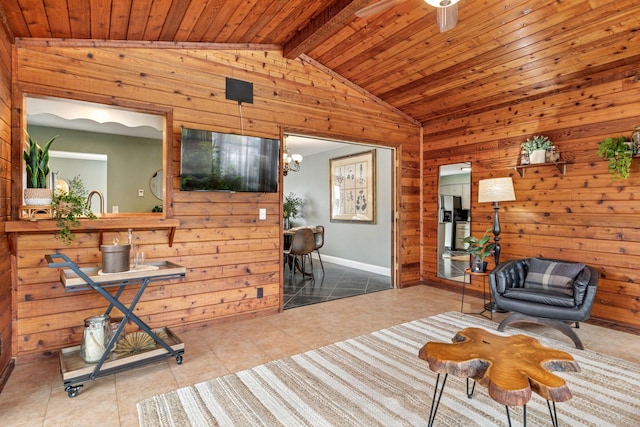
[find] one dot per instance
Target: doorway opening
(357, 257)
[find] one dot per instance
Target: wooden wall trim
(7, 67)
(99, 43)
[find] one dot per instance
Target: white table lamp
(496, 190)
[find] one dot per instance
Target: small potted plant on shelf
(36, 160)
(291, 208)
(69, 206)
(479, 249)
(537, 148)
(619, 151)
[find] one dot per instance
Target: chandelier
(291, 161)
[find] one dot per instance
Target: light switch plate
(140, 192)
(262, 214)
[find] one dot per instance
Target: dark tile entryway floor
(336, 282)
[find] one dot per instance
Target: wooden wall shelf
(561, 166)
(93, 225)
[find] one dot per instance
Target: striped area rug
(378, 380)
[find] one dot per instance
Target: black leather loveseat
(544, 291)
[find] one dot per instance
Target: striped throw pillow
(552, 276)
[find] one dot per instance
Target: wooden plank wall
(5, 202)
(583, 216)
(227, 251)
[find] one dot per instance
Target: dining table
(291, 231)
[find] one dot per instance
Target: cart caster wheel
(179, 360)
(72, 391)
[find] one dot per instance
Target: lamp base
(496, 234)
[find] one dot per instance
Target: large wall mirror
(117, 152)
(454, 219)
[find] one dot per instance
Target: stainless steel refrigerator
(446, 218)
(450, 212)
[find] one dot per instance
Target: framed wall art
(353, 188)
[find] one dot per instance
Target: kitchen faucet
(100, 196)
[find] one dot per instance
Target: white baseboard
(383, 271)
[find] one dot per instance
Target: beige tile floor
(34, 395)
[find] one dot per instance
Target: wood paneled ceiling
(500, 53)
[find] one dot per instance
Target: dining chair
(302, 244)
(318, 238)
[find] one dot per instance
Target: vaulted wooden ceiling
(500, 53)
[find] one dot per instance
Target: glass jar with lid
(97, 334)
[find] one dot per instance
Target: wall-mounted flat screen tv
(213, 161)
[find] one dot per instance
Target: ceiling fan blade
(378, 7)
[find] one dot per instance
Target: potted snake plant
(36, 160)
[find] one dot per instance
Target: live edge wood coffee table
(510, 367)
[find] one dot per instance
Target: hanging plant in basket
(619, 151)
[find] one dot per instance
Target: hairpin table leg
(435, 403)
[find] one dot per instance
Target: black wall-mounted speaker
(238, 90)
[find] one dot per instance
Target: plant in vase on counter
(291, 208)
(69, 206)
(480, 249)
(36, 159)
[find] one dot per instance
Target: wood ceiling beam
(322, 26)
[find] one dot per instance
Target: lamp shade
(496, 190)
(441, 3)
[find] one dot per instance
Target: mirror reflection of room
(454, 220)
(115, 152)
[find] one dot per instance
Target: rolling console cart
(73, 369)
